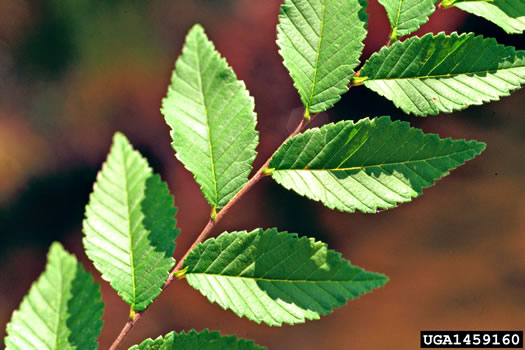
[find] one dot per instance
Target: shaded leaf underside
(368, 165)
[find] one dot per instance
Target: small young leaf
(444, 73)
(406, 16)
(62, 310)
(507, 14)
(192, 340)
(275, 277)
(368, 165)
(130, 226)
(211, 116)
(321, 41)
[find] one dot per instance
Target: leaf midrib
(448, 75)
(318, 53)
(128, 204)
(210, 148)
(59, 306)
(281, 280)
(380, 164)
(398, 17)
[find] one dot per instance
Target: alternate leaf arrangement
(270, 276)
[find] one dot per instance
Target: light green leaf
(508, 14)
(320, 42)
(130, 226)
(62, 310)
(444, 73)
(275, 277)
(406, 16)
(211, 116)
(192, 340)
(368, 165)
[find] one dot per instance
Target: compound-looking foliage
(269, 276)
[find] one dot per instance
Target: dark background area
(72, 72)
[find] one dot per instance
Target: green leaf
(320, 42)
(444, 73)
(368, 165)
(62, 310)
(192, 340)
(406, 16)
(508, 14)
(275, 277)
(130, 226)
(211, 116)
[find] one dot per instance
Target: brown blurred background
(72, 72)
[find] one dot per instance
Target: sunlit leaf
(62, 310)
(212, 120)
(275, 277)
(130, 226)
(321, 41)
(508, 14)
(406, 16)
(368, 165)
(444, 73)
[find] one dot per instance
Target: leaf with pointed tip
(507, 14)
(192, 340)
(62, 310)
(444, 73)
(130, 226)
(212, 121)
(406, 16)
(321, 42)
(368, 165)
(275, 277)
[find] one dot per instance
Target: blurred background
(72, 72)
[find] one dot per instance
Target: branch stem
(212, 223)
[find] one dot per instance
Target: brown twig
(207, 230)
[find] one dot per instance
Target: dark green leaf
(192, 340)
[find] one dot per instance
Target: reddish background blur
(72, 72)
